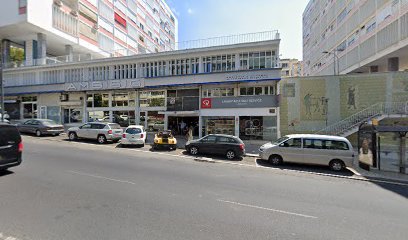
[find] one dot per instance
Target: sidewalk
(381, 175)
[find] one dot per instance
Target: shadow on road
(5, 172)
(305, 168)
(214, 157)
(88, 141)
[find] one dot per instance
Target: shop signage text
(103, 85)
(247, 76)
(241, 102)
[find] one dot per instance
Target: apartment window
(22, 7)
(142, 27)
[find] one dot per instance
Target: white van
(335, 152)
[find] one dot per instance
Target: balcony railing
(64, 21)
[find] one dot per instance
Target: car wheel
(72, 136)
(275, 160)
(101, 139)
(230, 154)
(38, 133)
(336, 165)
(193, 150)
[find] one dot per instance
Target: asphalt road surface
(83, 191)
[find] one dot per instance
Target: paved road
(83, 191)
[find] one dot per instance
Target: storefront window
(98, 116)
(29, 107)
(97, 100)
(30, 110)
(219, 125)
(152, 98)
(258, 128)
(155, 121)
(219, 92)
(183, 100)
(251, 91)
(120, 99)
(72, 115)
(124, 118)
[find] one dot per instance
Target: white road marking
(101, 177)
(267, 209)
(4, 237)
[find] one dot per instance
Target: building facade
(355, 36)
(291, 67)
(53, 31)
(210, 89)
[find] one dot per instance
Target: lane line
(101, 177)
(267, 209)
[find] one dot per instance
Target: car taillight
(124, 135)
(241, 146)
(141, 135)
(110, 132)
(20, 147)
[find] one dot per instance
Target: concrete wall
(40, 14)
(303, 100)
(9, 14)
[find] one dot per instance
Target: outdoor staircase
(378, 111)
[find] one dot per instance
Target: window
(220, 63)
(22, 7)
(209, 139)
(257, 60)
(292, 143)
(313, 143)
(97, 100)
(152, 98)
(219, 92)
(261, 90)
(86, 126)
(335, 145)
(225, 140)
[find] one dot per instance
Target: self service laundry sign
(241, 102)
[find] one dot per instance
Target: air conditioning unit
(64, 97)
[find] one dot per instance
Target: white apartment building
(291, 67)
(73, 30)
(355, 36)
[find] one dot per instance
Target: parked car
(164, 139)
(333, 151)
(102, 132)
(134, 135)
(41, 127)
(11, 146)
(227, 145)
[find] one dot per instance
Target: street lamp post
(335, 56)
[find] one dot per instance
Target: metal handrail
(367, 114)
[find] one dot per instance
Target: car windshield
(280, 140)
(165, 134)
(114, 126)
(133, 130)
(48, 122)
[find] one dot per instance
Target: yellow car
(164, 139)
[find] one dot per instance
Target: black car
(11, 147)
(229, 146)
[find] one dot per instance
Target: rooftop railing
(194, 44)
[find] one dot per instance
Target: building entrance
(180, 125)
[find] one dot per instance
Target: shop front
(252, 118)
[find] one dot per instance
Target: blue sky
(200, 19)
